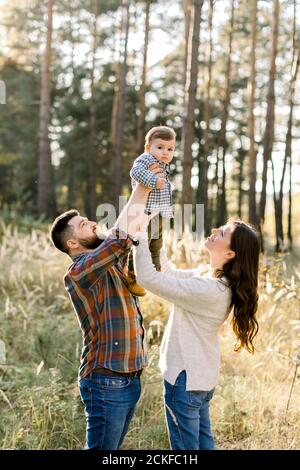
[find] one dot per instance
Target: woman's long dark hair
(241, 273)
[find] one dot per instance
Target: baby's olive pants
(155, 244)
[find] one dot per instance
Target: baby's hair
(160, 132)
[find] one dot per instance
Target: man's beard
(91, 243)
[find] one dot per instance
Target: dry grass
(39, 402)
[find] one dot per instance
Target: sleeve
(186, 293)
(168, 268)
(94, 265)
(140, 173)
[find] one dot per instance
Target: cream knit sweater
(200, 306)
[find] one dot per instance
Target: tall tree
(70, 157)
(288, 141)
(270, 117)
(289, 230)
(251, 121)
(142, 91)
(241, 153)
(91, 206)
(289, 218)
(222, 140)
(187, 7)
(118, 114)
(190, 101)
(202, 192)
(45, 200)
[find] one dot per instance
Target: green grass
(39, 402)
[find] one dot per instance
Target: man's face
(162, 150)
(84, 233)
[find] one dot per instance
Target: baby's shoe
(134, 287)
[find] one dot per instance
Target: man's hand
(158, 171)
(133, 215)
(160, 183)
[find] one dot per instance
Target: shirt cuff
(141, 236)
(121, 235)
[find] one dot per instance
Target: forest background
(81, 82)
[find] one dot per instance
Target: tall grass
(39, 403)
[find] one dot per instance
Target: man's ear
(72, 244)
(147, 148)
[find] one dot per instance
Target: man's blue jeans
(109, 406)
(187, 416)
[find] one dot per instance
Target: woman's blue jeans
(187, 416)
(109, 404)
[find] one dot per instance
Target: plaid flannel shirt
(109, 316)
(159, 200)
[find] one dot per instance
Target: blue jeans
(109, 403)
(187, 416)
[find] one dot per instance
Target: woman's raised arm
(186, 293)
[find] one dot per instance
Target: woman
(190, 353)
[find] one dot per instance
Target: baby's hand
(160, 183)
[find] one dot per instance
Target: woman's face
(219, 241)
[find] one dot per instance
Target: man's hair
(160, 132)
(61, 231)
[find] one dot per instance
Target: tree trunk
(240, 192)
(93, 132)
(222, 143)
(141, 117)
(241, 159)
(289, 232)
(269, 131)
(45, 182)
(277, 213)
(70, 200)
(118, 115)
(187, 7)
(202, 193)
(288, 143)
(70, 161)
(251, 127)
(190, 102)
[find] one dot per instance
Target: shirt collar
(79, 255)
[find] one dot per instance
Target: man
(114, 349)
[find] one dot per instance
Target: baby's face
(162, 150)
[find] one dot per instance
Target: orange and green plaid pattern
(109, 316)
